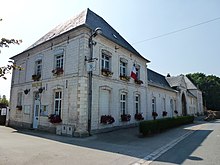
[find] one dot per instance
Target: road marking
(157, 153)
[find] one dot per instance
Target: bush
(154, 126)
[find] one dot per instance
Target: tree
(6, 69)
(210, 87)
(4, 100)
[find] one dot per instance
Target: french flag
(133, 73)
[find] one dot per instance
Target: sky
(178, 37)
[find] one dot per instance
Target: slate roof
(178, 80)
(91, 20)
(175, 81)
(157, 79)
(189, 84)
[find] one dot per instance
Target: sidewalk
(126, 144)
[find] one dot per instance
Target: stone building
(55, 81)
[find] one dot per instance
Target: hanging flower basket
(58, 71)
(124, 77)
(107, 119)
(53, 118)
(164, 113)
(36, 77)
(125, 117)
(138, 82)
(106, 72)
(26, 91)
(138, 116)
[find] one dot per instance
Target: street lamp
(94, 33)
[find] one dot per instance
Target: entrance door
(36, 110)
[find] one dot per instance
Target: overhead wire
(176, 31)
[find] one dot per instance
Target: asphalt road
(202, 148)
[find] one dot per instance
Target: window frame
(106, 60)
(38, 67)
(19, 98)
(153, 104)
(123, 68)
(59, 61)
(58, 102)
(123, 103)
(137, 103)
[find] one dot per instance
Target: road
(202, 148)
(198, 143)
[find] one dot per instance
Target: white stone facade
(66, 94)
(74, 84)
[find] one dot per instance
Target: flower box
(106, 72)
(19, 107)
(53, 118)
(107, 119)
(164, 113)
(36, 77)
(138, 116)
(138, 82)
(58, 71)
(125, 117)
(154, 114)
(124, 77)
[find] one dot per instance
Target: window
(59, 61)
(123, 68)
(137, 104)
(38, 67)
(27, 109)
(58, 102)
(123, 103)
(164, 104)
(19, 99)
(171, 105)
(106, 60)
(175, 105)
(153, 104)
(44, 110)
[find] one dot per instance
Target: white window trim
(137, 102)
(123, 111)
(153, 104)
(60, 101)
(106, 53)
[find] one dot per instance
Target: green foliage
(154, 126)
(4, 42)
(4, 100)
(210, 87)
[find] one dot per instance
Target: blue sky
(189, 51)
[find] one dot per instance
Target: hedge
(154, 126)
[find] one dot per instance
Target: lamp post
(94, 33)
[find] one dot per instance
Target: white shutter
(104, 98)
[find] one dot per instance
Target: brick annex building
(55, 81)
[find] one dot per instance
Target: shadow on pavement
(183, 150)
(124, 141)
